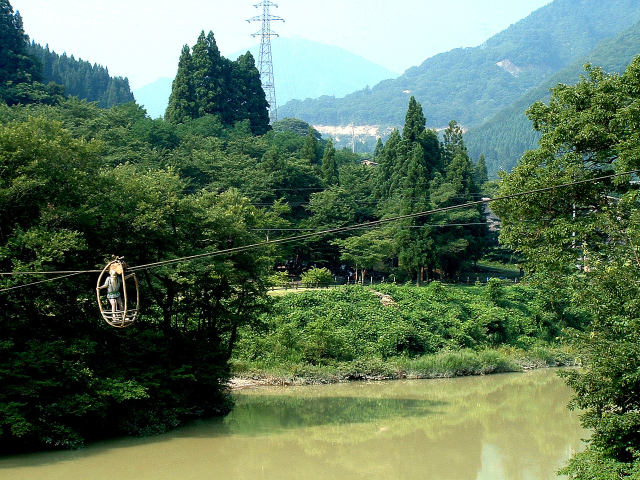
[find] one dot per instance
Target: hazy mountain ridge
(505, 137)
(468, 84)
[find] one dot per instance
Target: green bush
(279, 279)
(317, 277)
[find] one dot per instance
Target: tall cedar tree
(329, 165)
(378, 150)
(209, 84)
(453, 143)
(182, 102)
(249, 100)
(480, 175)
(386, 161)
(414, 122)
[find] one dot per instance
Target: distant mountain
(471, 85)
(307, 69)
(302, 69)
(154, 96)
(81, 79)
(505, 137)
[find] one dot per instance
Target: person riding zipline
(113, 283)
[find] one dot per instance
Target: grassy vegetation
(346, 333)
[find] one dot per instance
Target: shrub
(317, 277)
(279, 279)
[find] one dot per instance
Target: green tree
(377, 152)
(249, 101)
(480, 175)
(208, 84)
(310, 149)
(366, 251)
(386, 164)
(581, 242)
(317, 277)
(182, 101)
(66, 377)
(414, 122)
(453, 143)
(329, 165)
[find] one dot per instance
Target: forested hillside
(504, 138)
(472, 84)
(31, 73)
(80, 78)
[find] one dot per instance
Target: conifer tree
(329, 165)
(386, 164)
(202, 70)
(377, 152)
(481, 176)
(182, 102)
(248, 99)
(415, 192)
(414, 122)
(310, 148)
(209, 84)
(453, 142)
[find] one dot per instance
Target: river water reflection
(513, 426)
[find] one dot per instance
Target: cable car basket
(119, 307)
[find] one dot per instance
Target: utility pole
(265, 61)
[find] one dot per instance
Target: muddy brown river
(512, 426)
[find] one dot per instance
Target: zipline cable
(17, 287)
(339, 229)
(50, 272)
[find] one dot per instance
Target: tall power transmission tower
(265, 61)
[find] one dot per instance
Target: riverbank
(441, 365)
(401, 332)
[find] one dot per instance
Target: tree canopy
(582, 243)
(209, 84)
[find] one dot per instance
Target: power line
(404, 226)
(344, 229)
(377, 222)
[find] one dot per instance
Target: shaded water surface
(513, 426)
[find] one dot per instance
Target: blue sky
(142, 39)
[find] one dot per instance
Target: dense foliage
(80, 78)
(351, 323)
(209, 84)
(416, 173)
(467, 84)
(66, 203)
(582, 243)
(19, 72)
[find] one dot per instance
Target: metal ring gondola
(123, 311)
